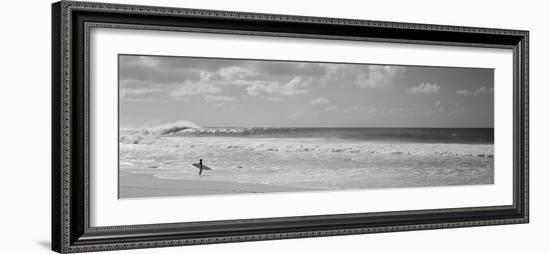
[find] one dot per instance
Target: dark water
(420, 135)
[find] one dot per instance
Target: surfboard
(203, 166)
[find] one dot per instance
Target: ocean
(315, 158)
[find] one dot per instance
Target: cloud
(351, 109)
(139, 94)
(424, 88)
(260, 88)
(275, 99)
(476, 92)
(359, 108)
(378, 76)
(156, 70)
(293, 87)
(355, 108)
(233, 73)
(272, 68)
(182, 77)
(319, 101)
(219, 98)
(364, 76)
(193, 88)
(332, 108)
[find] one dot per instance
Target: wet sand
(142, 186)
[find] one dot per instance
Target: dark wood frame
(71, 22)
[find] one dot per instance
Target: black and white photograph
(216, 126)
(229, 127)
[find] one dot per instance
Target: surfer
(201, 166)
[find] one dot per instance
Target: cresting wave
(233, 131)
(151, 135)
(188, 128)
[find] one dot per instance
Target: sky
(216, 92)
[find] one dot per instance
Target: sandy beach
(143, 185)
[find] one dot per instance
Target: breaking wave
(234, 131)
(151, 135)
(188, 128)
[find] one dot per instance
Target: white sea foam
(311, 162)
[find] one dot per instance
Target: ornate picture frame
(71, 202)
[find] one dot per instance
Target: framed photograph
(182, 126)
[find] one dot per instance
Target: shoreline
(147, 186)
